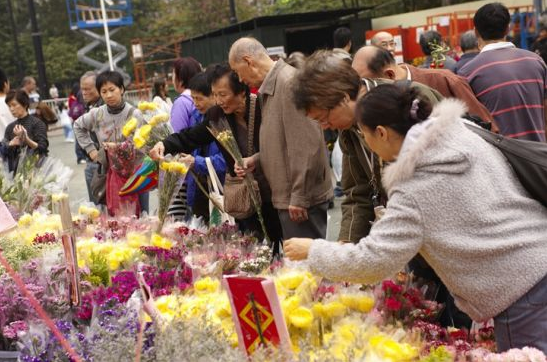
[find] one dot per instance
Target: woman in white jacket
(454, 199)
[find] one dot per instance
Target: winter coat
(454, 199)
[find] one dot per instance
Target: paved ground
(78, 191)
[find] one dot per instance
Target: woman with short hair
(25, 133)
(101, 128)
(233, 100)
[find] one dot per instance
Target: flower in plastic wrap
(206, 285)
(139, 141)
(141, 135)
(136, 240)
(161, 242)
(90, 211)
(158, 119)
(301, 317)
(36, 224)
(147, 106)
(357, 302)
(384, 348)
(129, 127)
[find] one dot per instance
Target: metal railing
(133, 97)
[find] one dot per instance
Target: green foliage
(439, 354)
(17, 252)
(99, 273)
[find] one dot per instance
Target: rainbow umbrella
(144, 179)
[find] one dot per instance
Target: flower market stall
(95, 287)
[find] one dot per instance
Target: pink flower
(10, 331)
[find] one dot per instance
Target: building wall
(419, 18)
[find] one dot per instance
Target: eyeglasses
(388, 43)
(325, 120)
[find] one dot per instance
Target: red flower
(390, 286)
(393, 304)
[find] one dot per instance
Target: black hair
(185, 69)
(540, 48)
(20, 96)
(341, 37)
(159, 84)
(390, 105)
(427, 38)
(223, 69)
(75, 88)
(200, 83)
(492, 21)
(381, 59)
(109, 76)
(3, 80)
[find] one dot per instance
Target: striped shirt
(511, 83)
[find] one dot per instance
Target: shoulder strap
(217, 185)
(251, 125)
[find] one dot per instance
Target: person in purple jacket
(183, 115)
(183, 109)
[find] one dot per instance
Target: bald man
(374, 62)
(292, 152)
(385, 40)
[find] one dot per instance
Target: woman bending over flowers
(454, 199)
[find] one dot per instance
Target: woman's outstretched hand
(297, 248)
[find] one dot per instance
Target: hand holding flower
(297, 248)
(249, 165)
(188, 160)
(157, 153)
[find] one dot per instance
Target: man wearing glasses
(384, 40)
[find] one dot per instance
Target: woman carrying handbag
(234, 107)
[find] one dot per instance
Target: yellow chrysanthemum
(136, 240)
(161, 242)
(360, 303)
(291, 280)
(129, 127)
(164, 166)
(390, 350)
(58, 197)
(158, 119)
(206, 285)
(144, 131)
(178, 167)
(301, 317)
(139, 142)
(141, 135)
(147, 106)
(91, 212)
(25, 220)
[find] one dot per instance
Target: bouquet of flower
(35, 180)
(172, 174)
(156, 128)
(223, 133)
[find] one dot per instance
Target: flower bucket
(9, 356)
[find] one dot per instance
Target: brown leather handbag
(237, 196)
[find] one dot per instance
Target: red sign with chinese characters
(256, 312)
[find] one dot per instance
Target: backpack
(528, 159)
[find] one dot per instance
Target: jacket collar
(268, 85)
(445, 116)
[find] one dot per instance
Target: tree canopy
(161, 18)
